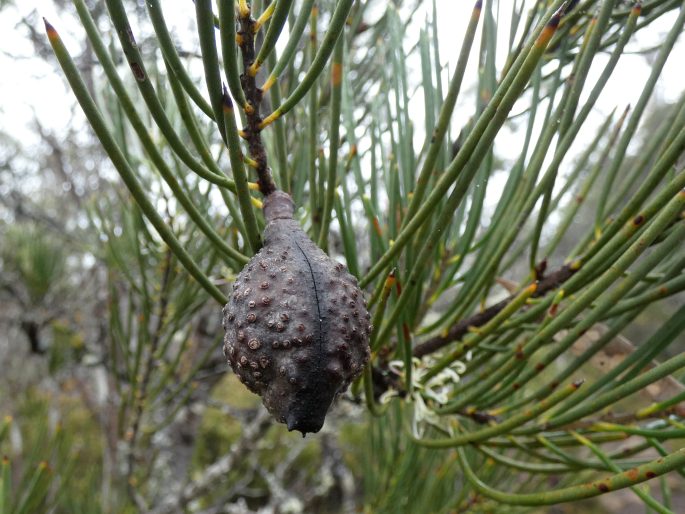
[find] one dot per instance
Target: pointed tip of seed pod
(478, 5)
(304, 426)
(52, 33)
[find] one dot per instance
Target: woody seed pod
(297, 328)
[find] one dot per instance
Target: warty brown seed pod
(297, 327)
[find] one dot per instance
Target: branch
(163, 303)
(459, 330)
(218, 471)
(253, 95)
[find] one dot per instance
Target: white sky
(29, 85)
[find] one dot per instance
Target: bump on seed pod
(297, 328)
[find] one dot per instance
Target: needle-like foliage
(497, 360)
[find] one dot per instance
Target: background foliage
(503, 290)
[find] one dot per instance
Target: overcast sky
(29, 85)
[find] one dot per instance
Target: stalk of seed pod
(297, 328)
